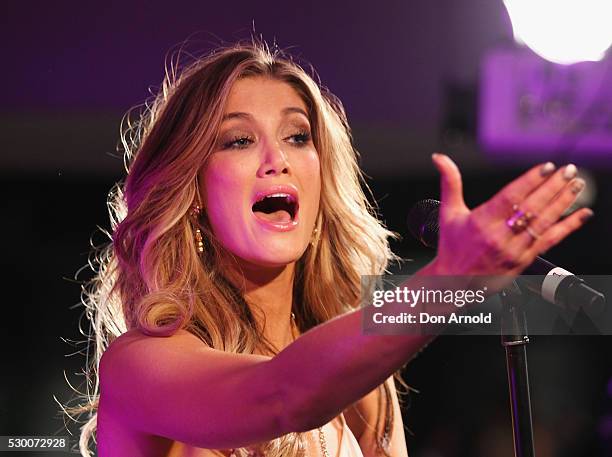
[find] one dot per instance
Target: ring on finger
(519, 220)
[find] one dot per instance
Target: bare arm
(177, 388)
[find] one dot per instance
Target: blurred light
(587, 197)
(563, 31)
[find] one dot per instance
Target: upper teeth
(282, 195)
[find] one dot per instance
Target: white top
(349, 447)
(339, 440)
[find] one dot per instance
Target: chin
(276, 256)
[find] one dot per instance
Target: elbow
(298, 406)
(289, 418)
(295, 416)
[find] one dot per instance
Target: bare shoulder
(134, 348)
(167, 367)
(128, 368)
(177, 386)
(136, 341)
(135, 357)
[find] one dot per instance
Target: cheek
(314, 164)
(222, 193)
(312, 173)
(308, 167)
(220, 167)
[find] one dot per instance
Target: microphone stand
(514, 338)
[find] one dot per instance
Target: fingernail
(570, 171)
(547, 169)
(578, 186)
(589, 214)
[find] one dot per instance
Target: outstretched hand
(505, 234)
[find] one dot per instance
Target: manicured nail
(547, 169)
(578, 186)
(570, 171)
(586, 216)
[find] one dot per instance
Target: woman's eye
(239, 142)
(300, 139)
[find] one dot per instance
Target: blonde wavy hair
(151, 276)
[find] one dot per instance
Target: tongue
(276, 216)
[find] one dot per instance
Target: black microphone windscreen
(423, 222)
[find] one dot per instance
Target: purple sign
(528, 106)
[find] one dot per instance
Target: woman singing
(226, 309)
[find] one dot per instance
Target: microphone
(555, 284)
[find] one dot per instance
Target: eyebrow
(241, 115)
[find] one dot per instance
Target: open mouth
(278, 208)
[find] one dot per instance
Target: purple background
(73, 67)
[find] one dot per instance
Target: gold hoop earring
(199, 241)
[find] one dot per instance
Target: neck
(268, 292)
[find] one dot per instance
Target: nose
(274, 161)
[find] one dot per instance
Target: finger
(515, 192)
(542, 197)
(559, 231)
(451, 187)
(549, 214)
